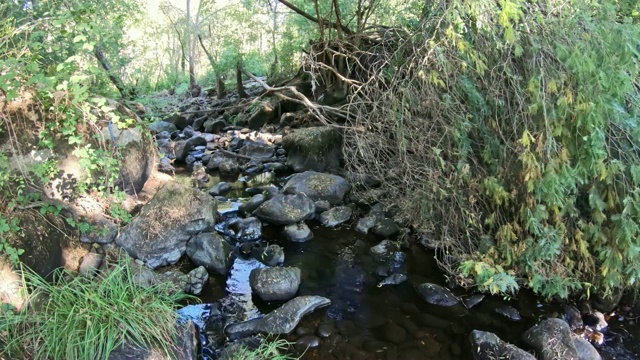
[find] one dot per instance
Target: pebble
(325, 330)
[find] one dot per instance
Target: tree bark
(125, 92)
(190, 50)
(242, 94)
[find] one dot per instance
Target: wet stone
(299, 232)
(325, 330)
(275, 284)
(573, 317)
(272, 255)
(335, 216)
(386, 228)
(473, 300)
(303, 330)
(308, 341)
(508, 312)
(253, 203)
(322, 206)
(248, 229)
(220, 188)
(437, 295)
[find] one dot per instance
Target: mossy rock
(314, 148)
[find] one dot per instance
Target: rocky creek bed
(302, 246)
(271, 235)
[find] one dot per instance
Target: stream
(368, 321)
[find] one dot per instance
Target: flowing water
(368, 321)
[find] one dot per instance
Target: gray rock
(275, 283)
(180, 121)
(585, 350)
(181, 149)
(210, 250)
(90, 264)
(487, 346)
(248, 229)
(138, 156)
(256, 150)
(318, 186)
(393, 279)
(383, 249)
(185, 348)
(272, 255)
(104, 231)
(508, 312)
(159, 234)
(280, 321)
(551, 339)
(160, 126)
(314, 148)
(270, 191)
(197, 141)
(437, 295)
(308, 342)
(178, 280)
(220, 188)
(229, 167)
(386, 228)
(275, 167)
(473, 300)
(196, 280)
(573, 317)
(286, 209)
(336, 216)
(365, 224)
(215, 160)
(299, 232)
(322, 206)
(253, 203)
(214, 126)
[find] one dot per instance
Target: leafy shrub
(508, 132)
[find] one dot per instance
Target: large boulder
(210, 250)
(488, 346)
(286, 209)
(280, 321)
(137, 150)
(314, 148)
(42, 238)
(318, 186)
(275, 283)
(159, 234)
(133, 144)
(552, 340)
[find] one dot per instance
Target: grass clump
(274, 349)
(80, 318)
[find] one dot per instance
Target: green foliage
(538, 145)
(80, 318)
(8, 229)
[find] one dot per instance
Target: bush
(79, 318)
(508, 132)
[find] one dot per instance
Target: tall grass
(79, 318)
(269, 349)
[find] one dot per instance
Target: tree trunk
(125, 92)
(274, 66)
(242, 94)
(220, 86)
(190, 49)
(212, 62)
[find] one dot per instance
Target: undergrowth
(508, 133)
(81, 318)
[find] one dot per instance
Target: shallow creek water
(366, 321)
